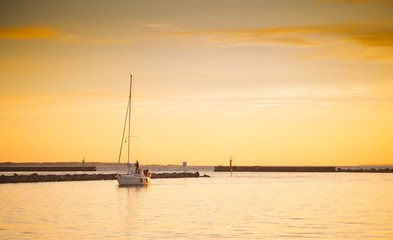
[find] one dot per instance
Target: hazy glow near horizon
(306, 82)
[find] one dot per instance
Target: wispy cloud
(27, 33)
(277, 102)
(64, 36)
(370, 35)
(389, 2)
(79, 100)
(382, 37)
(159, 26)
(257, 38)
(376, 35)
(97, 40)
(220, 103)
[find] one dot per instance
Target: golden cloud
(380, 38)
(389, 2)
(29, 32)
(370, 35)
(26, 33)
(161, 26)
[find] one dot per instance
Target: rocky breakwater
(84, 177)
(177, 175)
(54, 178)
(372, 170)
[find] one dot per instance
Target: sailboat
(132, 176)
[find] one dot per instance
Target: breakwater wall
(85, 177)
(273, 169)
(46, 169)
(370, 170)
(178, 175)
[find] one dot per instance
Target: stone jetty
(177, 175)
(273, 169)
(299, 169)
(85, 177)
(371, 170)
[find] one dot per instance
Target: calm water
(245, 206)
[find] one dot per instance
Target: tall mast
(129, 120)
(128, 115)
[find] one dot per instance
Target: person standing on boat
(137, 166)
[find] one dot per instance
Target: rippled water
(245, 206)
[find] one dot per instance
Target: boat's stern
(133, 179)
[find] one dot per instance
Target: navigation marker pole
(230, 164)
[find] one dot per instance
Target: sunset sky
(279, 82)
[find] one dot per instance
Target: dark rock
(85, 177)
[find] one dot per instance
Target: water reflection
(248, 205)
(131, 204)
(134, 187)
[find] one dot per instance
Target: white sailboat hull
(133, 179)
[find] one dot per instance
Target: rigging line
(122, 139)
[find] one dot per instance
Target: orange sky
(282, 82)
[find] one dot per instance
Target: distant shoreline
(80, 164)
(47, 169)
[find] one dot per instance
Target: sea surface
(244, 206)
